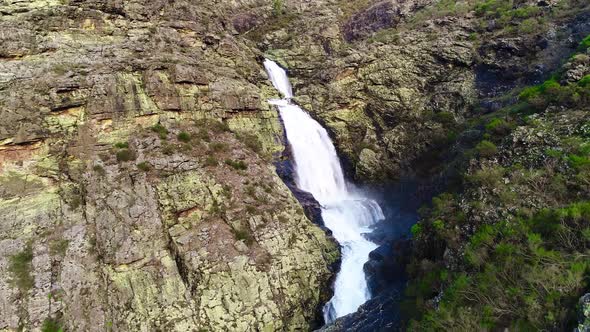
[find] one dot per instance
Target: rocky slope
(137, 189)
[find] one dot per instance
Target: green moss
(20, 267)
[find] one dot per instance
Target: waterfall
(347, 214)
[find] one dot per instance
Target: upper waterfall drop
(348, 216)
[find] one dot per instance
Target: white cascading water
(347, 215)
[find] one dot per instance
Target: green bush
(486, 149)
(498, 127)
(204, 135)
(416, 229)
(218, 146)
(122, 145)
(125, 155)
(183, 136)
(489, 176)
(277, 7)
(51, 325)
(160, 130)
(251, 142)
(584, 44)
(99, 170)
(238, 165)
(211, 161)
(524, 273)
(59, 247)
(585, 81)
(20, 268)
(144, 166)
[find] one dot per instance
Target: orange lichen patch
(147, 120)
(345, 74)
(17, 153)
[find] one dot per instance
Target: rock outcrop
(137, 188)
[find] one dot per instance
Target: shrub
(211, 161)
(486, 149)
(99, 170)
(238, 165)
(277, 7)
(489, 176)
(51, 325)
(498, 127)
(585, 81)
(144, 166)
(416, 229)
(122, 145)
(125, 155)
(218, 146)
(438, 224)
(445, 118)
(183, 136)
(20, 267)
(243, 234)
(584, 44)
(59, 247)
(160, 130)
(204, 135)
(251, 142)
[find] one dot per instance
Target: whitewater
(347, 214)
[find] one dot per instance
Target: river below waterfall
(345, 211)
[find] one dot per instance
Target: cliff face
(137, 188)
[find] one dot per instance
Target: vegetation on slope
(511, 247)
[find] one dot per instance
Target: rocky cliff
(137, 185)
(137, 188)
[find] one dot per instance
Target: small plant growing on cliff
(211, 161)
(125, 155)
(277, 7)
(20, 268)
(59, 247)
(122, 145)
(251, 142)
(160, 130)
(51, 325)
(416, 229)
(238, 165)
(99, 170)
(486, 149)
(183, 136)
(218, 147)
(144, 166)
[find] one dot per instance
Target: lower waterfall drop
(348, 215)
